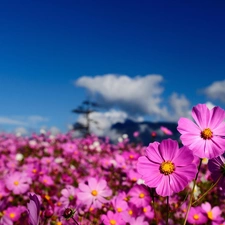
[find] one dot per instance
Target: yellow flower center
(130, 212)
(47, 197)
(59, 203)
(16, 183)
(167, 168)
(206, 134)
(12, 215)
(196, 216)
(210, 215)
(144, 209)
(141, 195)
(112, 222)
(94, 193)
(119, 209)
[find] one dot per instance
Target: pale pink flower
(205, 137)
(17, 182)
(94, 193)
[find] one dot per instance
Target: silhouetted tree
(86, 108)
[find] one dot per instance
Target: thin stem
(167, 210)
(75, 221)
(213, 185)
(192, 192)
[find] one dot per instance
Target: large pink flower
(206, 136)
(166, 167)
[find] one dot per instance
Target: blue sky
(54, 52)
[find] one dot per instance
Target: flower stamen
(94, 193)
(196, 217)
(210, 215)
(206, 134)
(167, 168)
(141, 195)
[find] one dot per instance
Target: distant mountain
(145, 130)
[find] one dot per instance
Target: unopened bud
(68, 213)
(48, 213)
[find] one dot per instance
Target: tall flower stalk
(192, 193)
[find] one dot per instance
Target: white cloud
(22, 124)
(11, 121)
(136, 96)
(54, 130)
(36, 119)
(216, 91)
(180, 107)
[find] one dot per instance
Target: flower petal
(201, 115)
(164, 189)
(184, 157)
(169, 149)
(178, 182)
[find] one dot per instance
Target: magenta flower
(166, 131)
(140, 220)
(14, 212)
(94, 193)
(217, 168)
(33, 208)
(112, 219)
(140, 196)
(205, 137)
(17, 182)
(166, 167)
(68, 194)
(119, 203)
(197, 216)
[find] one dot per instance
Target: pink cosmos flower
(136, 134)
(119, 203)
(14, 212)
(94, 193)
(17, 182)
(166, 131)
(205, 137)
(217, 168)
(140, 220)
(148, 212)
(213, 213)
(166, 167)
(139, 196)
(69, 148)
(46, 180)
(196, 216)
(112, 218)
(68, 194)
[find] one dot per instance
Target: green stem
(213, 185)
(167, 213)
(192, 193)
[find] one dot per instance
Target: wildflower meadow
(59, 180)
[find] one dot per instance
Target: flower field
(57, 180)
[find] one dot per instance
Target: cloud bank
(216, 91)
(141, 95)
